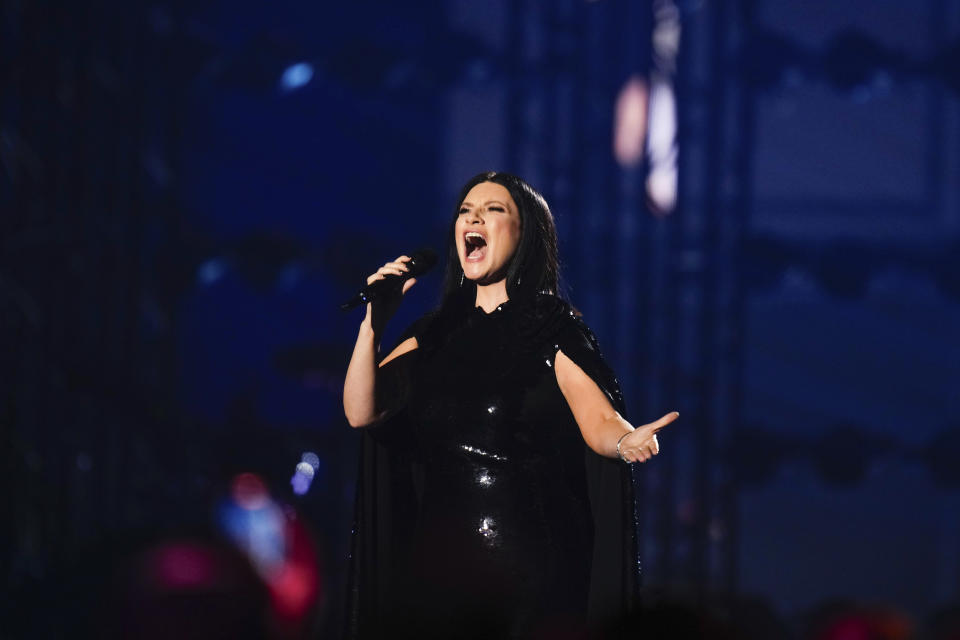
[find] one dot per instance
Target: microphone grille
(422, 261)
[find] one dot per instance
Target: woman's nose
(473, 217)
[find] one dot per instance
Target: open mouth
(475, 246)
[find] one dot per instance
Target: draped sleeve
(386, 497)
(615, 577)
(394, 378)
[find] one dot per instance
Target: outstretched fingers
(648, 446)
(665, 420)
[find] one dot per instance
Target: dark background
(189, 189)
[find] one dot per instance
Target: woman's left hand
(641, 444)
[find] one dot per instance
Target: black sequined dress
(480, 510)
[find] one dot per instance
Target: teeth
(473, 234)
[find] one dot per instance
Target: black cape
(388, 478)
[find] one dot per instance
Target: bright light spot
(296, 75)
(663, 121)
(305, 469)
(300, 484)
(255, 523)
(303, 475)
(249, 492)
(311, 459)
(294, 588)
(630, 122)
(211, 271)
(662, 147)
(484, 479)
(488, 529)
(662, 189)
(666, 34)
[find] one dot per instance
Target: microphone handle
(375, 290)
(421, 262)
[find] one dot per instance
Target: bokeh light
(296, 76)
(662, 147)
(630, 122)
(305, 472)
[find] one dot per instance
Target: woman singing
(493, 498)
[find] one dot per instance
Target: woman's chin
(480, 279)
(482, 274)
(473, 271)
(485, 279)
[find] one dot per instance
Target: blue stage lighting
(211, 270)
(296, 76)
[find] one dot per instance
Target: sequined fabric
(501, 529)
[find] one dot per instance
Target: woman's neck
(490, 296)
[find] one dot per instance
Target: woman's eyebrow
(470, 204)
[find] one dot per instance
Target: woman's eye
(464, 210)
(496, 209)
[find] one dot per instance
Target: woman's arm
(600, 424)
(359, 386)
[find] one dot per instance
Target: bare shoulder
(585, 398)
(579, 364)
(570, 377)
(412, 338)
(406, 346)
(565, 368)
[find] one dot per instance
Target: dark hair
(534, 266)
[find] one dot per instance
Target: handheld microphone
(420, 262)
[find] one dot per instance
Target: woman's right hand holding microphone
(382, 309)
